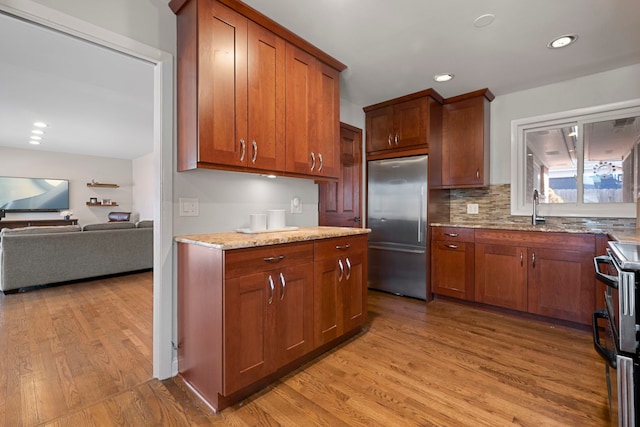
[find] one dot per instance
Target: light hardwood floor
(80, 355)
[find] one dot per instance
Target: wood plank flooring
(80, 355)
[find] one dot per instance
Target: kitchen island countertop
(235, 240)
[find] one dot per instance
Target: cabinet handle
(274, 258)
(521, 259)
(313, 161)
(284, 285)
(320, 157)
(389, 140)
(452, 246)
(243, 149)
(478, 173)
(451, 234)
(272, 287)
(396, 138)
(254, 144)
(533, 259)
(343, 247)
(349, 268)
(341, 270)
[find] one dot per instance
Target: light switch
(472, 208)
(189, 207)
(296, 205)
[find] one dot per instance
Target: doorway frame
(163, 130)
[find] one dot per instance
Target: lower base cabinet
(544, 273)
(247, 316)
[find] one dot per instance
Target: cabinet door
(501, 275)
(327, 120)
(265, 140)
(452, 269)
(410, 123)
(328, 309)
(294, 319)
(561, 284)
(248, 329)
(379, 125)
(465, 138)
(300, 112)
(354, 290)
(222, 88)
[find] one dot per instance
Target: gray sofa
(33, 256)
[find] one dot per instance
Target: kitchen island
(253, 307)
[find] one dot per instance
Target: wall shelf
(97, 184)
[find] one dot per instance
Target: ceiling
(99, 102)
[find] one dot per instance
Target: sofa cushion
(108, 226)
(147, 223)
(40, 230)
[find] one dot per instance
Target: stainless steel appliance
(397, 217)
(620, 271)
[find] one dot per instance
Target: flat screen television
(33, 194)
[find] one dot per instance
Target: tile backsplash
(494, 205)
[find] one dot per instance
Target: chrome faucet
(535, 219)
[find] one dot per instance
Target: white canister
(276, 219)
(258, 222)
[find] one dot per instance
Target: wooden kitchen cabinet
(411, 121)
(238, 98)
(312, 116)
(340, 299)
(248, 316)
(465, 140)
(452, 262)
(549, 274)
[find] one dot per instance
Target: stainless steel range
(620, 271)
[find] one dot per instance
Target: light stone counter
(548, 228)
(235, 240)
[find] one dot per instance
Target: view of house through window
(584, 161)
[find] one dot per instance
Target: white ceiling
(99, 102)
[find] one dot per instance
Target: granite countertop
(235, 240)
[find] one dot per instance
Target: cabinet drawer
(241, 262)
(453, 234)
(329, 248)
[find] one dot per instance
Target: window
(582, 162)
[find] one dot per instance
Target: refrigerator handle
(420, 214)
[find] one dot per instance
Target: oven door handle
(608, 355)
(609, 280)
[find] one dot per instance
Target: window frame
(519, 203)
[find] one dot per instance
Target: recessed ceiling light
(444, 77)
(484, 20)
(34, 142)
(40, 125)
(562, 41)
(37, 132)
(36, 138)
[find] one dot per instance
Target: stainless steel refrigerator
(397, 217)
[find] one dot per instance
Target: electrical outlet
(296, 205)
(472, 208)
(189, 207)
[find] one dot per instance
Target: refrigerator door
(397, 216)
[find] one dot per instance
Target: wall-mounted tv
(33, 194)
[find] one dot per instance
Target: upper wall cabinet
(241, 102)
(412, 121)
(465, 140)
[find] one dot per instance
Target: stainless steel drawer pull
(313, 161)
(451, 234)
(349, 268)
(284, 286)
(243, 148)
(341, 270)
(274, 258)
(452, 246)
(320, 157)
(254, 144)
(343, 247)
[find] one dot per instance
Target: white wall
(142, 189)
(617, 85)
(79, 170)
